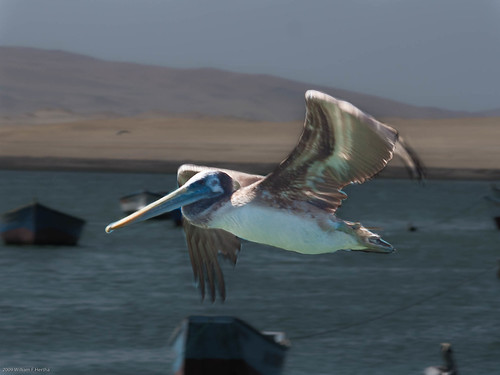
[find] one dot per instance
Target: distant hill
(34, 79)
(491, 113)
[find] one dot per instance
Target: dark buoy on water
(411, 227)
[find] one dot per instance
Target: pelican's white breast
(283, 228)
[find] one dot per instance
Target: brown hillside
(34, 79)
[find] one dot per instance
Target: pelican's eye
(214, 185)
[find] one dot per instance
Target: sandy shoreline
(162, 166)
(450, 148)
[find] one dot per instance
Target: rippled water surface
(110, 305)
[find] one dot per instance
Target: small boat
(494, 199)
(226, 345)
(135, 201)
(36, 224)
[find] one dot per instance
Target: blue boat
(36, 224)
(135, 201)
(226, 345)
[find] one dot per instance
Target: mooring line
(389, 313)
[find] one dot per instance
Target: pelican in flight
(294, 206)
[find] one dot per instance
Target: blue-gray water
(110, 305)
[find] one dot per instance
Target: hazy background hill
(35, 79)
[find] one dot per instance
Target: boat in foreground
(36, 224)
(226, 345)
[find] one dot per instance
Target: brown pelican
(449, 367)
(291, 208)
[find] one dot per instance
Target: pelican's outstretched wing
(339, 145)
(205, 245)
(412, 162)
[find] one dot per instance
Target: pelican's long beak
(183, 196)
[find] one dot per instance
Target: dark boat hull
(226, 346)
(36, 224)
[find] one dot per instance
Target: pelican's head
(196, 195)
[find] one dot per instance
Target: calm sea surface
(110, 305)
